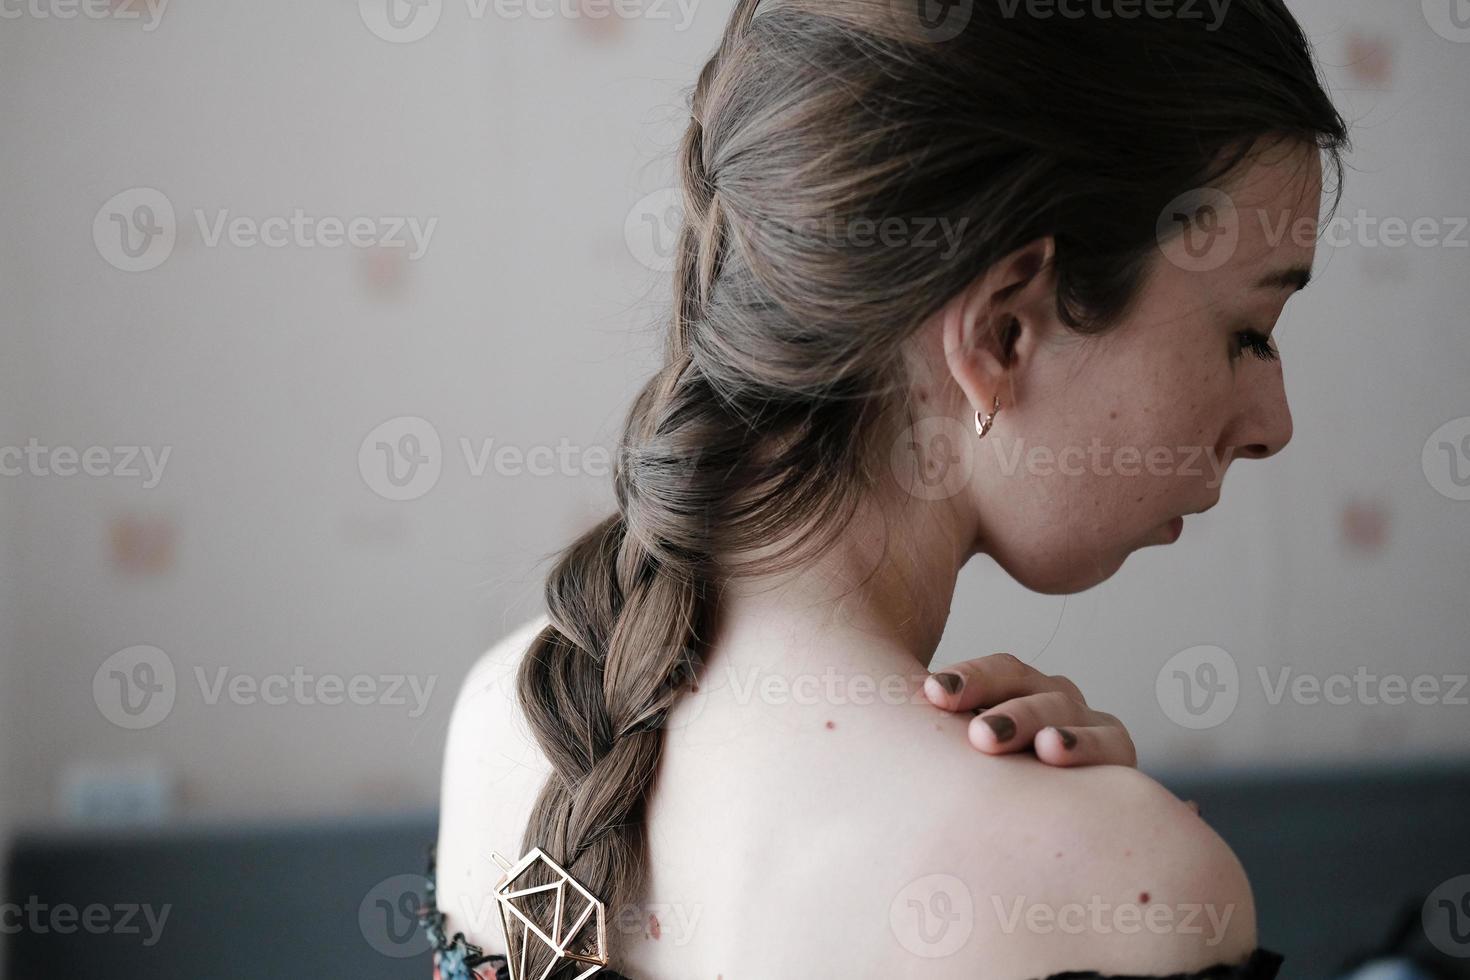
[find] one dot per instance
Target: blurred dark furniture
(1333, 856)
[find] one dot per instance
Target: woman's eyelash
(1257, 343)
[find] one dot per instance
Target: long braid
(784, 386)
(628, 602)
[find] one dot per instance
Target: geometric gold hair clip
(579, 919)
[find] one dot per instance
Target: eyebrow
(1295, 278)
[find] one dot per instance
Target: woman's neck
(883, 608)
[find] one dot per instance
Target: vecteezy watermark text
(1201, 686)
(89, 9)
(135, 230)
(64, 919)
(407, 21)
(403, 458)
(673, 922)
(136, 688)
(1121, 10)
(1100, 917)
(34, 459)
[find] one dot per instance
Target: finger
(1012, 726)
(1075, 745)
(987, 681)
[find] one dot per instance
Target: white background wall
(529, 321)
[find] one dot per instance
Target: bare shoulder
(493, 770)
(1100, 869)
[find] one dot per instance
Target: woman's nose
(1266, 427)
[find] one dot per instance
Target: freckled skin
(1059, 507)
(740, 779)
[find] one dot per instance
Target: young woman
(850, 409)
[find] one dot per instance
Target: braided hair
(784, 384)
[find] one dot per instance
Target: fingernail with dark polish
(950, 682)
(1002, 725)
(1069, 741)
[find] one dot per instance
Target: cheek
(1118, 448)
(1166, 423)
(1134, 450)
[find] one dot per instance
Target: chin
(1069, 578)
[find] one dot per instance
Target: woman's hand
(1017, 707)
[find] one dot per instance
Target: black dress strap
(1262, 965)
(455, 958)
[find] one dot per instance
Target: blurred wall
(331, 509)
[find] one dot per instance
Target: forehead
(1251, 237)
(1277, 197)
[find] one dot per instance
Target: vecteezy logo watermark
(90, 9)
(34, 459)
(1446, 459)
(1098, 459)
(64, 919)
(934, 458)
(651, 229)
(1199, 230)
(406, 21)
(672, 922)
(1450, 19)
(1446, 917)
(828, 687)
(940, 233)
(403, 458)
(388, 916)
(136, 230)
(136, 688)
(1198, 687)
(1100, 917)
(934, 21)
(933, 916)
(401, 21)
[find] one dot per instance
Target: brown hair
(783, 364)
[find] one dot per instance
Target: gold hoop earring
(983, 421)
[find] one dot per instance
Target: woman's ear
(992, 329)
